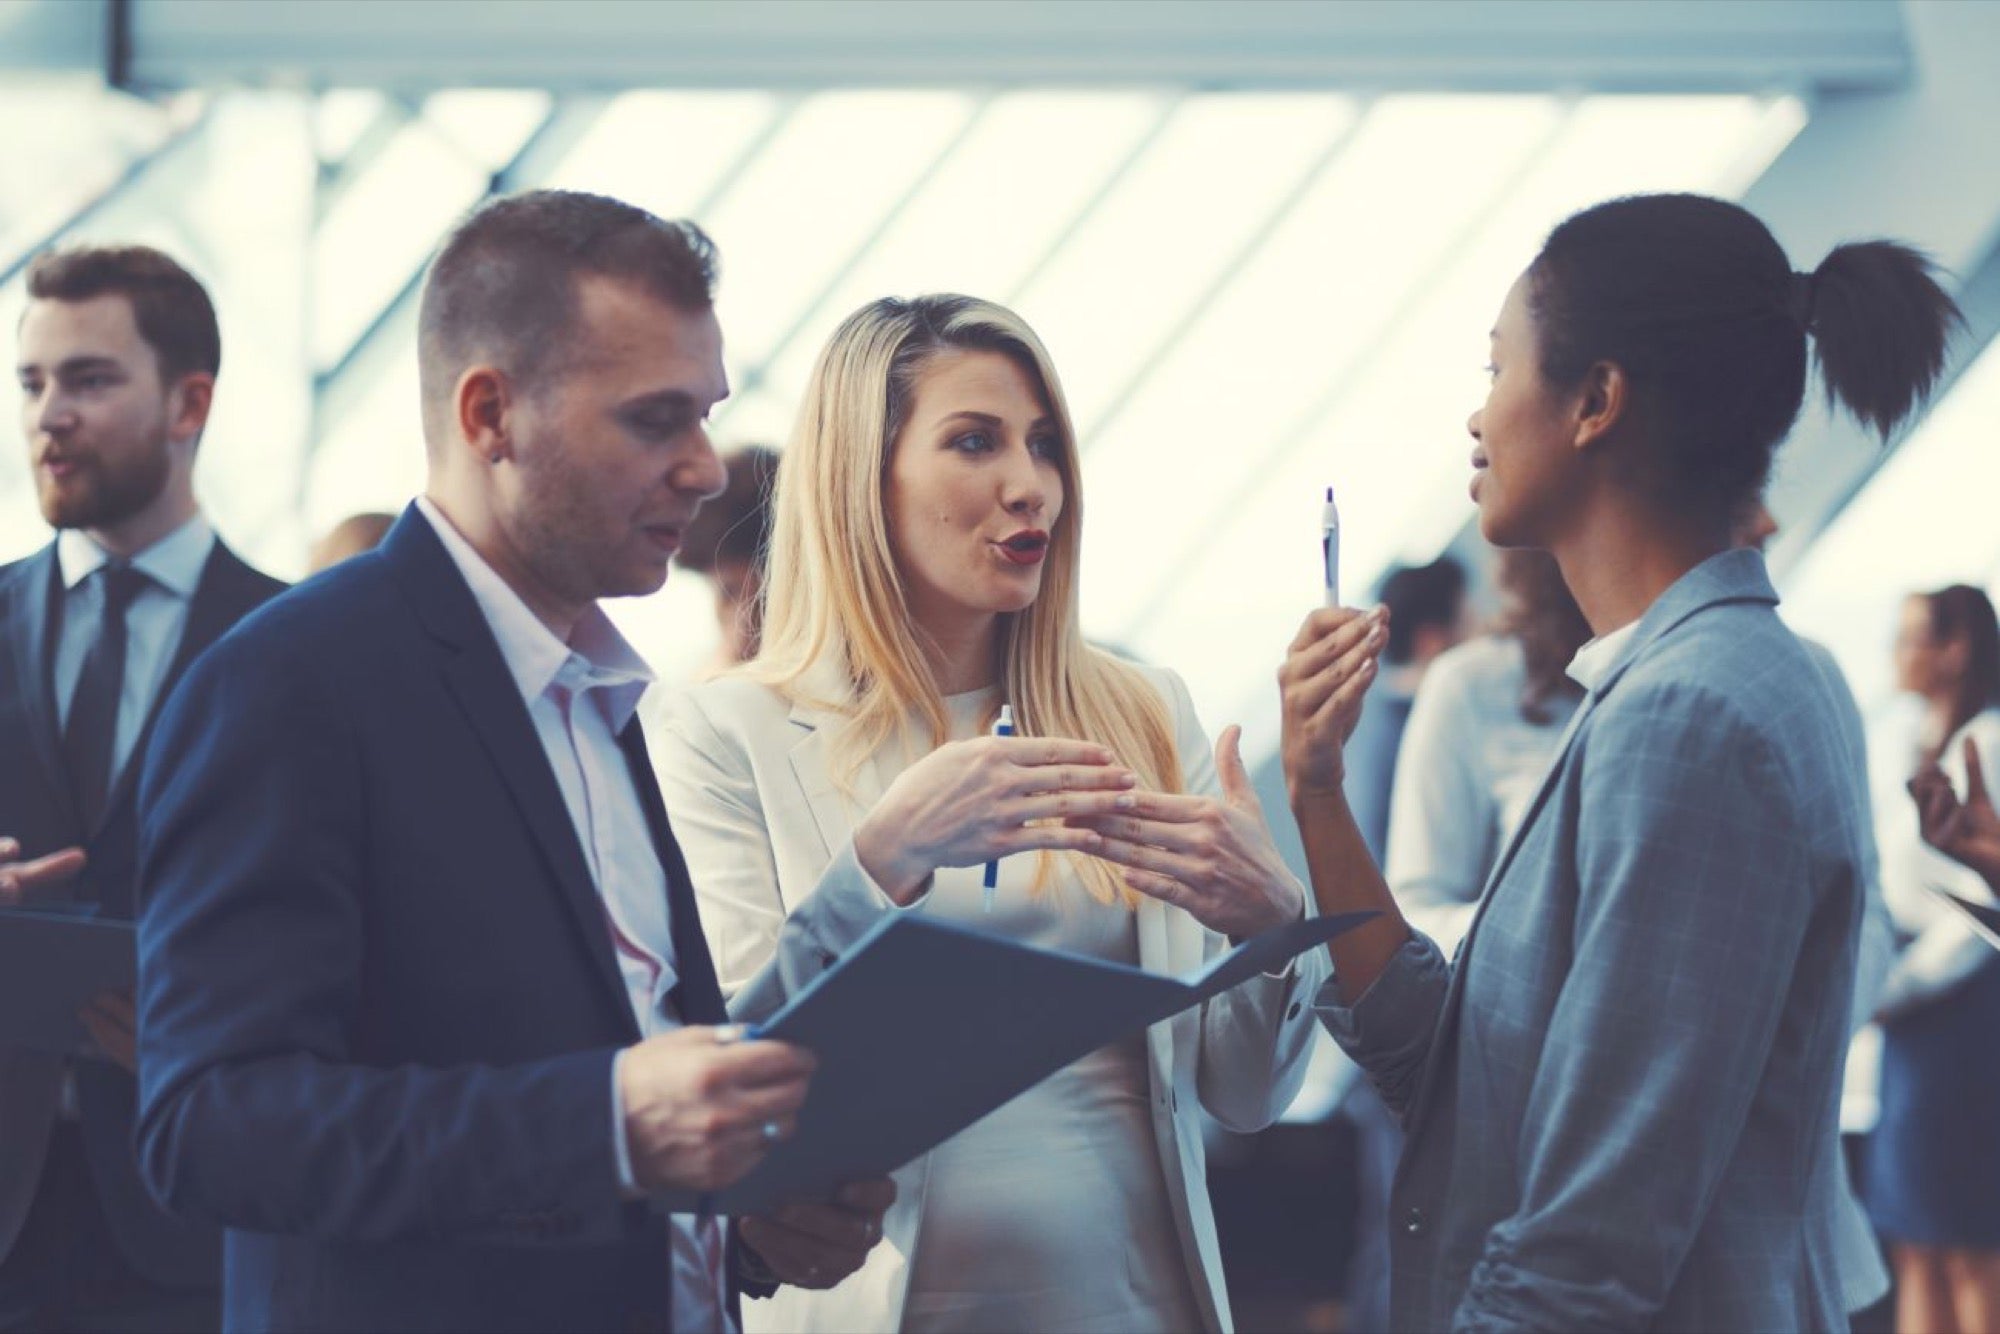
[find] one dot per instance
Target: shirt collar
(596, 658)
(1594, 660)
(174, 563)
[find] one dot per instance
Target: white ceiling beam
(415, 45)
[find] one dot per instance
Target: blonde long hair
(834, 599)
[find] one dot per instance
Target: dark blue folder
(924, 1027)
(51, 963)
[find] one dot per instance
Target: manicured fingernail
(1128, 779)
(1126, 801)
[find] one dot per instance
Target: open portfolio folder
(51, 963)
(925, 1027)
(1985, 917)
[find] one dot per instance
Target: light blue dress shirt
(153, 623)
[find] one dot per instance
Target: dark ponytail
(1879, 323)
(1695, 301)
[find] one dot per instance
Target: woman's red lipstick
(1026, 547)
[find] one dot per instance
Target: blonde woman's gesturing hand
(969, 802)
(1212, 856)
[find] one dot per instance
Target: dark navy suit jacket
(378, 998)
(37, 806)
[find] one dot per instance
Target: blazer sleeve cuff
(1393, 1021)
(847, 904)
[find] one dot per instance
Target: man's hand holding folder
(21, 880)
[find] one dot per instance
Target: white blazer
(768, 837)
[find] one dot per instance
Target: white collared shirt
(581, 695)
(154, 622)
(1595, 659)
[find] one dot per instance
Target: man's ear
(1601, 403)
(188, 403)
(482, 405)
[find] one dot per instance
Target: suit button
(1413, 1222)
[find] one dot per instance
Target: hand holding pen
(975, 801)
(1326, 673)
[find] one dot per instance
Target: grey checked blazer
(1622, 1096)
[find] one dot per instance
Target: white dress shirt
(581, 695)
(154, 622)
(1597, 657)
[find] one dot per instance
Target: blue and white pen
(1004, 727)
(1329, 548)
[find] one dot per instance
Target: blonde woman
(923, 570)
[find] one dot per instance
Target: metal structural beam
(808, 309)
(337, 178)
(1373, 44)
(1224, 277)
(339, 385)
(1921, 164)
(136, 171)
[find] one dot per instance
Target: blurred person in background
(350, 537)
(1426, 616)
(1933, 1169)
(119, 353)
(1480, 737)
(727, 542)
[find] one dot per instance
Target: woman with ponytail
(924, 571)
(1621, 1095)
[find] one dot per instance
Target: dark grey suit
(37, 806)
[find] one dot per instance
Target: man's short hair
(1418, 596)
(734, 527)
(169, 306)
(503, 284)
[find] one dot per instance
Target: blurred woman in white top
(1933, 1170)
(924, 569)
(1480, 737)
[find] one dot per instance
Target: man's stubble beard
(111, 495)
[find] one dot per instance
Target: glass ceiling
(1249, 296)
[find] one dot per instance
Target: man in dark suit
(118, 358)
(425, 1004)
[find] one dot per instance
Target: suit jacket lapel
(476, 676)
(833, 811)
(33, 637)
(698, 995)
(1733, 576)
